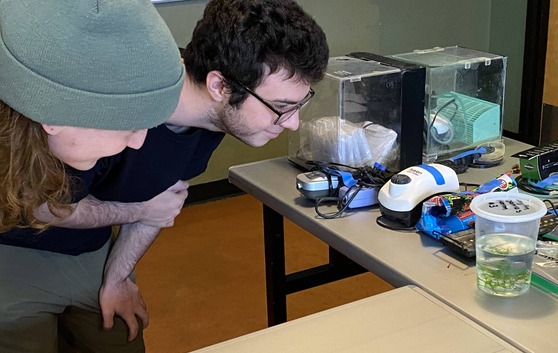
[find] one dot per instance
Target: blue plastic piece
(380, 166)
(346, 177)
(480, 150)
(438, 226)
(547, 181)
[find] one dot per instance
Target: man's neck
(192, 107)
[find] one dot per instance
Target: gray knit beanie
(104, 64)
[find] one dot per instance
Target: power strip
(548, 223)
(464, 241)
(366, 196)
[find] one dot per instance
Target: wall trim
(211, 191)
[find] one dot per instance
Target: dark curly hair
(243, 38)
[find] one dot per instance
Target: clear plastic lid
(508, 207)
(345, 67)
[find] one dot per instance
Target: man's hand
(161, 210)
(123, 299)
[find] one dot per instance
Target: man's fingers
(144, 317)
(133, 327)
(142, 312)
(108, 320)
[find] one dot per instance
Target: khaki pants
(49, 304)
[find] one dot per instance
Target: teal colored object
(544, 284)
(474, 120)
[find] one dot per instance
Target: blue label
(438, 177)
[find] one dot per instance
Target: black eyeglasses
(282, 116)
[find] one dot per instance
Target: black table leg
(275, 277)
(279, 284)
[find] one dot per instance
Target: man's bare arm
(118, 294)
(160, 211)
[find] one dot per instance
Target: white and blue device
(317, 184)
(401, 197)
(365, 196)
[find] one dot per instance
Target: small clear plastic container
(506, 231)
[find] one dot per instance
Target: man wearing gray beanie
(79, 80)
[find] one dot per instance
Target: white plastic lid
(508, 207)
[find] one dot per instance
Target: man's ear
(52, 129)
(215, 84)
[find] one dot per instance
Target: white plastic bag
(331, 139)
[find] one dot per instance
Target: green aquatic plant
(502, 277)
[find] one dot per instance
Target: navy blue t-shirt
(131, 176)
(63, 240)
(164, 158)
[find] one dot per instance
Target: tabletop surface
(405, 319)
(404, 258)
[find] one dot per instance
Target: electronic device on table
(548, 223)
(358, 197)
(402, 196)
(317, 184)
(463, 242)
(348, 187)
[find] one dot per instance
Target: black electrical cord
(366, 177)
(451, 101)
(341, 206)
(523, 184)
(551, 205)
(371, 176)
(439, 110)
(320, 165)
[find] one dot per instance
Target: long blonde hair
(30, 174)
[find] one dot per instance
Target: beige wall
(550, 95)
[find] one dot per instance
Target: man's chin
(83, 165)
(254, 141)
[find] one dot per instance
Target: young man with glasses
(249, 70)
